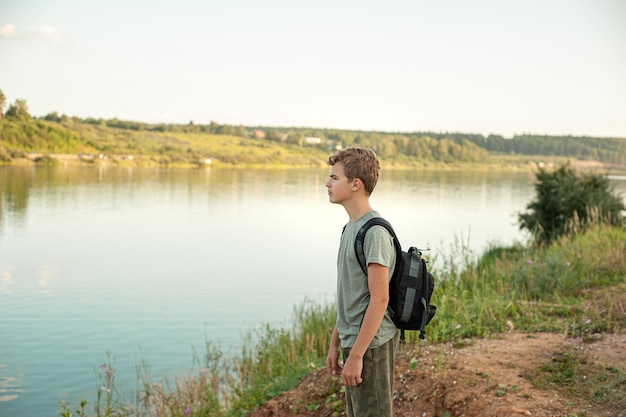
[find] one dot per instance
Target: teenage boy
(364, 333)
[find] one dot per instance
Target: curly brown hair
(358, 163)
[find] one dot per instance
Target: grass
(536, 289)
(573, 375)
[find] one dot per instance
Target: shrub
(567, 203)
(46, 160)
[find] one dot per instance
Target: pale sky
(486, 66)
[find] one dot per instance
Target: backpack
(411, 285)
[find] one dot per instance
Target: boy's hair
(358, 163)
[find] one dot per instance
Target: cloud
(42, 34)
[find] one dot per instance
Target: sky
(555, 67)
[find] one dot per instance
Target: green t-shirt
(353, 294)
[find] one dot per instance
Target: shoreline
(497, 163)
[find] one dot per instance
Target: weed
(107, 390)
(574, 376)
(313, 406)
(562, 370)
(335, 403)
(65, 409)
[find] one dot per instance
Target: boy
(364, 332)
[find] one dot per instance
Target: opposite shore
(497, 163)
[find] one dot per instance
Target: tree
(52, 117)
(3, 102)
(566, 203)
(18, 110)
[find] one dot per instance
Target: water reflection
(15, 184)
(10, 386)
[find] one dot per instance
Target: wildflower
(187, 410)
(529, 262)
(109, 377)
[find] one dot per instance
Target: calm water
(147, 264)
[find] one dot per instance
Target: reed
(276, 359)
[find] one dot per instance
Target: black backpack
(411, 284)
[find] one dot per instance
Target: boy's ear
(356, 184)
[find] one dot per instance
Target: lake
(146, 264)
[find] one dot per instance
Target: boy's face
(339, 187)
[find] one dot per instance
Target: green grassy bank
(546, 289)
(63, 140)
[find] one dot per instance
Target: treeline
(612, 150)
(54, 133)
(448, 147)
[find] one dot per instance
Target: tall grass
(528, 288)
(531, 289)
(279, 358)
(271, 360)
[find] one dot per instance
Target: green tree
(53, 117)
(18, 110)
(3, 102)
(566, 203)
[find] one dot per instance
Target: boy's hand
(332, 363)
(352, 371)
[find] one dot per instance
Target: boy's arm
(378, 283)
(332, 361)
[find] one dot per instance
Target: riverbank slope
(515, 374)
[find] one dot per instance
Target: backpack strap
(422, 271)
(360, 252)
(417, 263)
(415, 270)
(360, 241)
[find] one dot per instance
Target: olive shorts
(374, 396)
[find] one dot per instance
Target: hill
(98, 141)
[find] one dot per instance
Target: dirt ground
(486, 378)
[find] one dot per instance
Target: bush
(567, 203)
(46, 160)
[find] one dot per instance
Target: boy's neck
(358, 209)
